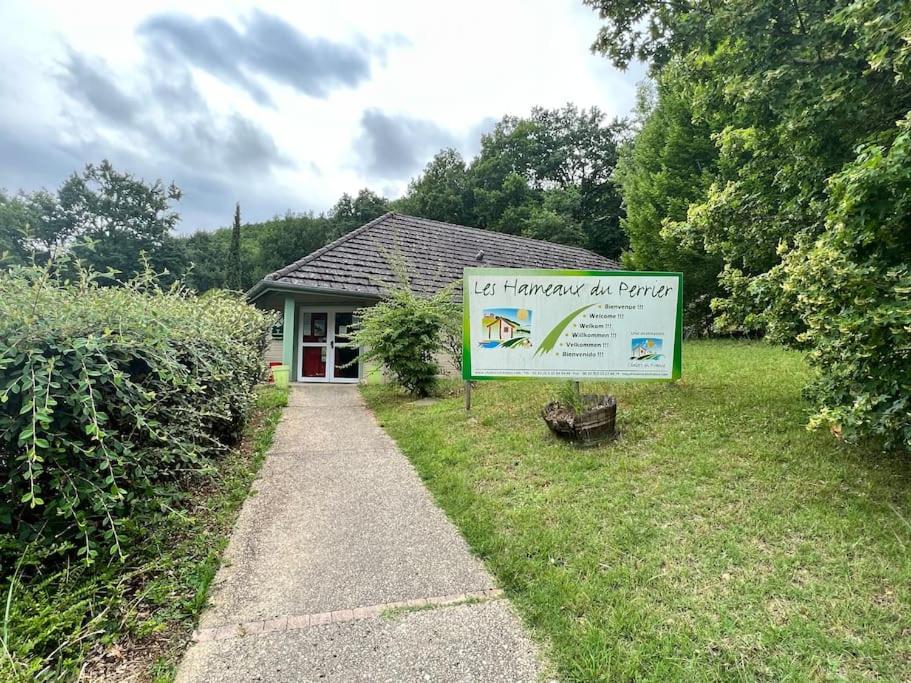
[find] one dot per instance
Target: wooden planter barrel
(597, 421)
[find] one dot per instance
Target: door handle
(332, 344)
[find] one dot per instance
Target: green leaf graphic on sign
(550, 341)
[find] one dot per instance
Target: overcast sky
(280, 105)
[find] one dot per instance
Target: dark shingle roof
(434, 254)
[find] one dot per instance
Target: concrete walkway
(341, 568)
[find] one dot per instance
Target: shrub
(853, 288)
(404, 332)
(451, 334)
(109, 397)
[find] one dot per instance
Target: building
(500, 328)
(639, 351)
(319, 294)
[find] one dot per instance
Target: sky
(281, 106)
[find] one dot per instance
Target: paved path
(341, 568)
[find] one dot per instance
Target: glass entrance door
(314, 345)
(345, 364)
(327, 353)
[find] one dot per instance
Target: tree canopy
(760, 157)
(670, 165)
(786, 91)
(547, 176)
(104, 217)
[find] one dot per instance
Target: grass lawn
(133, 620)
(716, 540)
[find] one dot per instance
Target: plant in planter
(584, 419)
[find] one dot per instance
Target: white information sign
(574, 324)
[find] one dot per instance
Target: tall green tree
(15, 221)
(110, 220)
(443, 192)
(284, 239)
(568, 151)
(349, 212)
(806, 103)
(547, 176)
(669, 166)
(264, 247)
(788, 90)
(853, 288)
(235, 278)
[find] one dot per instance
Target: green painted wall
(288, 336)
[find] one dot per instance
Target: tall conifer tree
(235, 277)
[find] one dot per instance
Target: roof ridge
(281, 272)
(489, 232)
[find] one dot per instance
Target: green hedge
(109, 398)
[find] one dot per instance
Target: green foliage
(787, 90)
(567, 156)
(546, 176)
(793, 95)
(569, 395)
(235, 263)
(16, 215)
(348, 213)
(114, 221)
(452, 333)
(53, 620)
(267, 246)
(442, 192)
(404, 332)
(853, 289)
(264, 248)
(105, 218)
(109, 396)
(669, 166)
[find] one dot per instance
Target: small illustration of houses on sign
(646, 348)
(506, 327)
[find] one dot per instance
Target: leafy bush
(58, 620)
(452, 333)
(404, 332)
(853, 288)
(109, 396)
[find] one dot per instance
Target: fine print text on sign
(575, 324)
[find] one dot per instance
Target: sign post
(571, 324)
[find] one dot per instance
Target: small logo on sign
(505, 328)
(646, 349)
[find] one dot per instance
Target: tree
(207, 261)
(348, 213)
(567, 150)
(547, 175)
(15, 220)
(289, 238)
(667, 167)
(108, 219)
(788, 90)
(806, 205)
(405, 332)
(443, 192)
(235, 278)
(853, 288)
